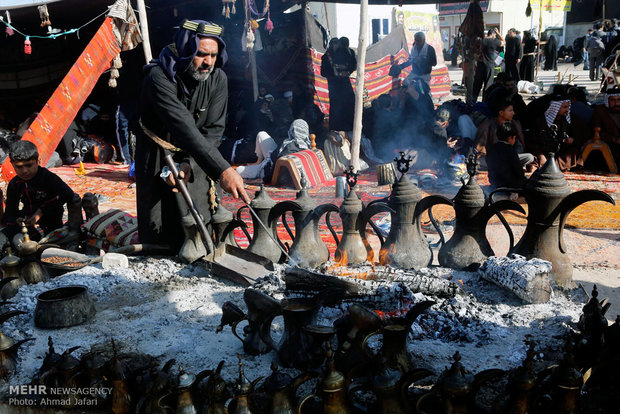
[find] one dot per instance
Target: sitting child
(505, 169)
(41, 193)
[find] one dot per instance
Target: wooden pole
(540, 22)
(251, 54)
(144, 29)
(359, 87)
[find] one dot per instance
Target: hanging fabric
(228, 8)
(8, 30)
(254, 10)
(44, 15)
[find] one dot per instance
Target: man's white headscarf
(554, 108)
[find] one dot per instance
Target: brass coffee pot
(521, 382)
(395, 331)
(455, 390)
(240, 403)
(308, 249)
(8, 347)
(405, 246)
(32, 271)
(390, 387)
(352, 248)
(281, 388)
(152, 385)
(262, 308)
(120, 397)
(217, 392)
(469, 245)
(184, 390)
(331, 390)
(549, 203)
(11, 278)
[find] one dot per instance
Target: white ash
(169, 310)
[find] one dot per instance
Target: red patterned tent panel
(50, 125)
(377, 80)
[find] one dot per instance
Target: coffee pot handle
(232, 226)
(375, 207)
(316, 214)
(365, 346)
(265, 333)
(233, 326)
(300, 405)
(495, 209)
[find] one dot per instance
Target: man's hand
(452, 142)
(185, 172)
(34, 219)
(568, 140)
(232, 183)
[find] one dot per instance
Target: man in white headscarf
(558, 114)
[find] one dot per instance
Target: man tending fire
(184, 102)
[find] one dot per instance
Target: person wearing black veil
(183, 109)
(551, 54)
(529, 57)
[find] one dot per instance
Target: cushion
(114, 228)
(310, 163)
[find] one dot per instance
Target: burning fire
(339, 268)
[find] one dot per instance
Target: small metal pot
(63, 307)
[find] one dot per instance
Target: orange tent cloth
(50, 125)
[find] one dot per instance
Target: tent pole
(251, 54)
(540, 22)
(359, 87)
(144, 29)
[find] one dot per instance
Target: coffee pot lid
(457, 380)
(303, 198)
(222, 214)
(262, 200)
(352, 203)
(9, 260)
(549, 180)
(278, 380)
(471, 194)
(404, 191)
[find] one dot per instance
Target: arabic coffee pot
(469, 244)
(550, 201)
(521, 382)
(262, 308)
(217, 392)
(293, 349)
(185, 386)
(281, 388)
(352, 248)
(8, 347)
(32, 271)
(394, 345)
(331, 389)
(240, 403)
(219, 222)
(308, 249)
(456, 389)
(405, 246)
(260, 243)
(120, 397)
(352, 329)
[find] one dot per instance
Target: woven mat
(117, 190)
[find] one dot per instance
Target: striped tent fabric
(50, 125)
(377, 80)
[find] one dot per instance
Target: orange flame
(384, 255)
(339, 268)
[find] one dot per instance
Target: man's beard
(198, 75)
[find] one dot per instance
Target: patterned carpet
(117, 190)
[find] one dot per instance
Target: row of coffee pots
(547, 194)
